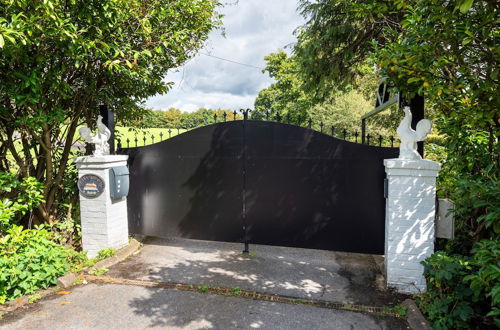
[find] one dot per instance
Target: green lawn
(152, 135)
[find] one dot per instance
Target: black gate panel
(189, 186)
(260, 182)
(306, 189)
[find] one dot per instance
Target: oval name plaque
(91, 185)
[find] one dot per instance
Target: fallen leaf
(63, 292)
(65, 302)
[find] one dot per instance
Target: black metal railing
(144, 137)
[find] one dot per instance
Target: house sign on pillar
(91, 185)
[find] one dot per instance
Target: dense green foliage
(335, 42)
(29, 260)
(60, 59)
(448, 51)
(17, 198)
(458, 286)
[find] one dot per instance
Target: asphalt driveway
(302, 273)
(312, 274)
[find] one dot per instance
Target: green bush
(485, 278)
(29, 260)
(17, 198)
(463, 292)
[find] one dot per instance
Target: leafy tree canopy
(341, 109)
(60, 59)
(286, 95)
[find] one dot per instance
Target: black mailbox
(118, 182)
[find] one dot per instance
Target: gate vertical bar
(363, 130)
(244, 170)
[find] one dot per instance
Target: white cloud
(253, 28)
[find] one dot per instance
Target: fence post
(108, 119)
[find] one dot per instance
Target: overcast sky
(253, 29)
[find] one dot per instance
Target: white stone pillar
(103, 220)
(409, 221)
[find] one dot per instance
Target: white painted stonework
(104, 220)
(409, 223)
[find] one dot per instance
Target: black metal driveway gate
(260, 182)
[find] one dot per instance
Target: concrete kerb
(414, 317)
(119, 256)
(70, 279)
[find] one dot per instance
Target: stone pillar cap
(412, 164)
(101, 159)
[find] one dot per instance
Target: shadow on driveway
(302, 273)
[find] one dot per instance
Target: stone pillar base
(409, 224)
(104, 220)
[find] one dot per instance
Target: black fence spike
(128, 143)
(152, 139)
(119, 143)
(169, 133)
(310, 122)
(392, 141)
(215, 117)
(380, 140)
(144, 139)
(178, 129)
(356, 134)
(321, 127)
(299, 120)
(161, 136)
(333, 130)
(245, 113)
(136, 141)
(224, 116)
(234, 115)
(368, 137)
(344, 133)
(267, 114)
